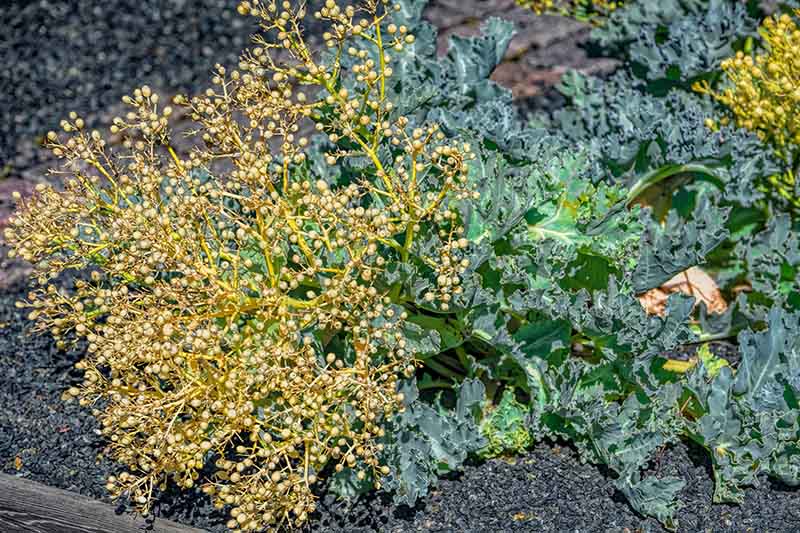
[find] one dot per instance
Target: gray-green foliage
(675, 40)
(676, 245)
(559, 251)
(426, 440)
(636, 132)
(772, 257)
(750, 420)
(705, 189)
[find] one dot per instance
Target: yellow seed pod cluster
(584, 10)
(231, 298)
(763, 92)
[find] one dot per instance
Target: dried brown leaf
(694, 282)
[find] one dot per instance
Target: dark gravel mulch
(84, 55)
(547, 490)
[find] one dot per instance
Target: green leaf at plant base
(749, 421)
(506, 427)
(425, 441)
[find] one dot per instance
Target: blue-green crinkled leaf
(678, 245)
(446, 333)
(474, 58)
(544, 337)
(772, 258)
(451, 89)
(631, 438)
(507, 194)
(761, 361)
(489, 324)
(749, 419)
(426, 441)
(654, 496)
(617, 318)
(690, 44)
(614, 320)
(550, 209)
(636, 133)
(725, 432)
(624, 23)
(471, 396)
(623, 436)
(537, 342)
(411, 473)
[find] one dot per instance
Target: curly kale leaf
(609, 402)
(678, 244)
(636, 133)
(694, 45)
(678, 44)
(455, 91)
(624, 23)
(427, 88)
(627, 437)
(580, 401)
(558, 224)
(511, 189)
(426, 441)
(474, 58)
(749, 421)
(772, 257)
(347, 486)
(540, 232)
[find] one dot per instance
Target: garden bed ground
(53, 67)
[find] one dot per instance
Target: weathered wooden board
(30, 507)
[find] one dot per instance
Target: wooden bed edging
(31, 507)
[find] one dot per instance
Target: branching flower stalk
(235, 309)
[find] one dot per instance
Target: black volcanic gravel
(83, 55)
(548, 490)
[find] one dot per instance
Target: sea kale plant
(677, 126)
(696, 126)
(239, 306)
(369, 267)
(763, 95)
